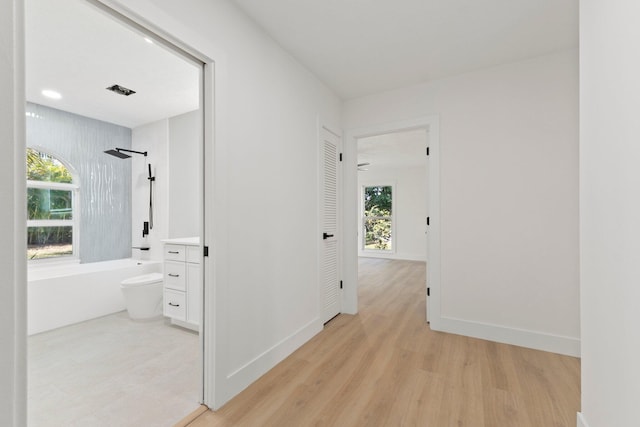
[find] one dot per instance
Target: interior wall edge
(13, 369)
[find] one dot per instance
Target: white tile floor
(113, 371)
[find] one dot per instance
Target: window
(377, 218)
(51, 197)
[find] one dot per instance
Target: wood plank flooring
(385, 367)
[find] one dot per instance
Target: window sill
(52, 262)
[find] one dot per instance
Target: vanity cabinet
(182, 282)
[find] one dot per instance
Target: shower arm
(144, 153)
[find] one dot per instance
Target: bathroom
(118, 214)
(115, 207)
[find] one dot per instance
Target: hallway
(386, 367)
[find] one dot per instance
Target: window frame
(73, 223)
(391, 218)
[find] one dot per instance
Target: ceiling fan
(360, 166)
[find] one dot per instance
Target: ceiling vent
(121, 90)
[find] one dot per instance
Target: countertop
(189, 241)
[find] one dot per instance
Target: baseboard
(399, 256)
(411, 257)
(185, 325)
(520, 337)
(581, 421)
(241, 378)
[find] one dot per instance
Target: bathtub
(60, 295)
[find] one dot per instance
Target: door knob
(325, 236)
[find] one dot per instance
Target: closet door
(329, 267)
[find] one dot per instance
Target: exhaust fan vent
(121, 90)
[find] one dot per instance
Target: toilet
(143, 295)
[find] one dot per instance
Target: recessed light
(148, 40)
(51, 94)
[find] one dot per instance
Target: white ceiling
(357, 47)
(77, 50)
(360, 47)
(400, 149)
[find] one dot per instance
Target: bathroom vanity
(182, 281)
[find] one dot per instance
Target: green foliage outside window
(377, 217)
(41, 167)
(48, 204)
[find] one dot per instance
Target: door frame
(350, 210)
(207, 336)
(117, 10)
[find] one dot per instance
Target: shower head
(118, 152)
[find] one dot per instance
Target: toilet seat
(144, 279)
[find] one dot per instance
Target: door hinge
(340, 284)
(206, 251)
(340, 156)
(428, 292)
(427, 151)
(427, 220)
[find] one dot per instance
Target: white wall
(509, 196)
(154, 139)
(266, 201)
(13, 378)
(610, 212)
(185, 182)
(409, 206)
(173, 150)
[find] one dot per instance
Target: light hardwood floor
(385, 367)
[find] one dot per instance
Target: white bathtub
(60, 295)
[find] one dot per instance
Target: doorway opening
(392, 195)
(392, 184)
(393, 174)
(125, 210)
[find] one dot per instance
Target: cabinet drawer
(174, 252)
(175, 305)
(175, 275)
(193, 254)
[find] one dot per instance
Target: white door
(329, 278)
